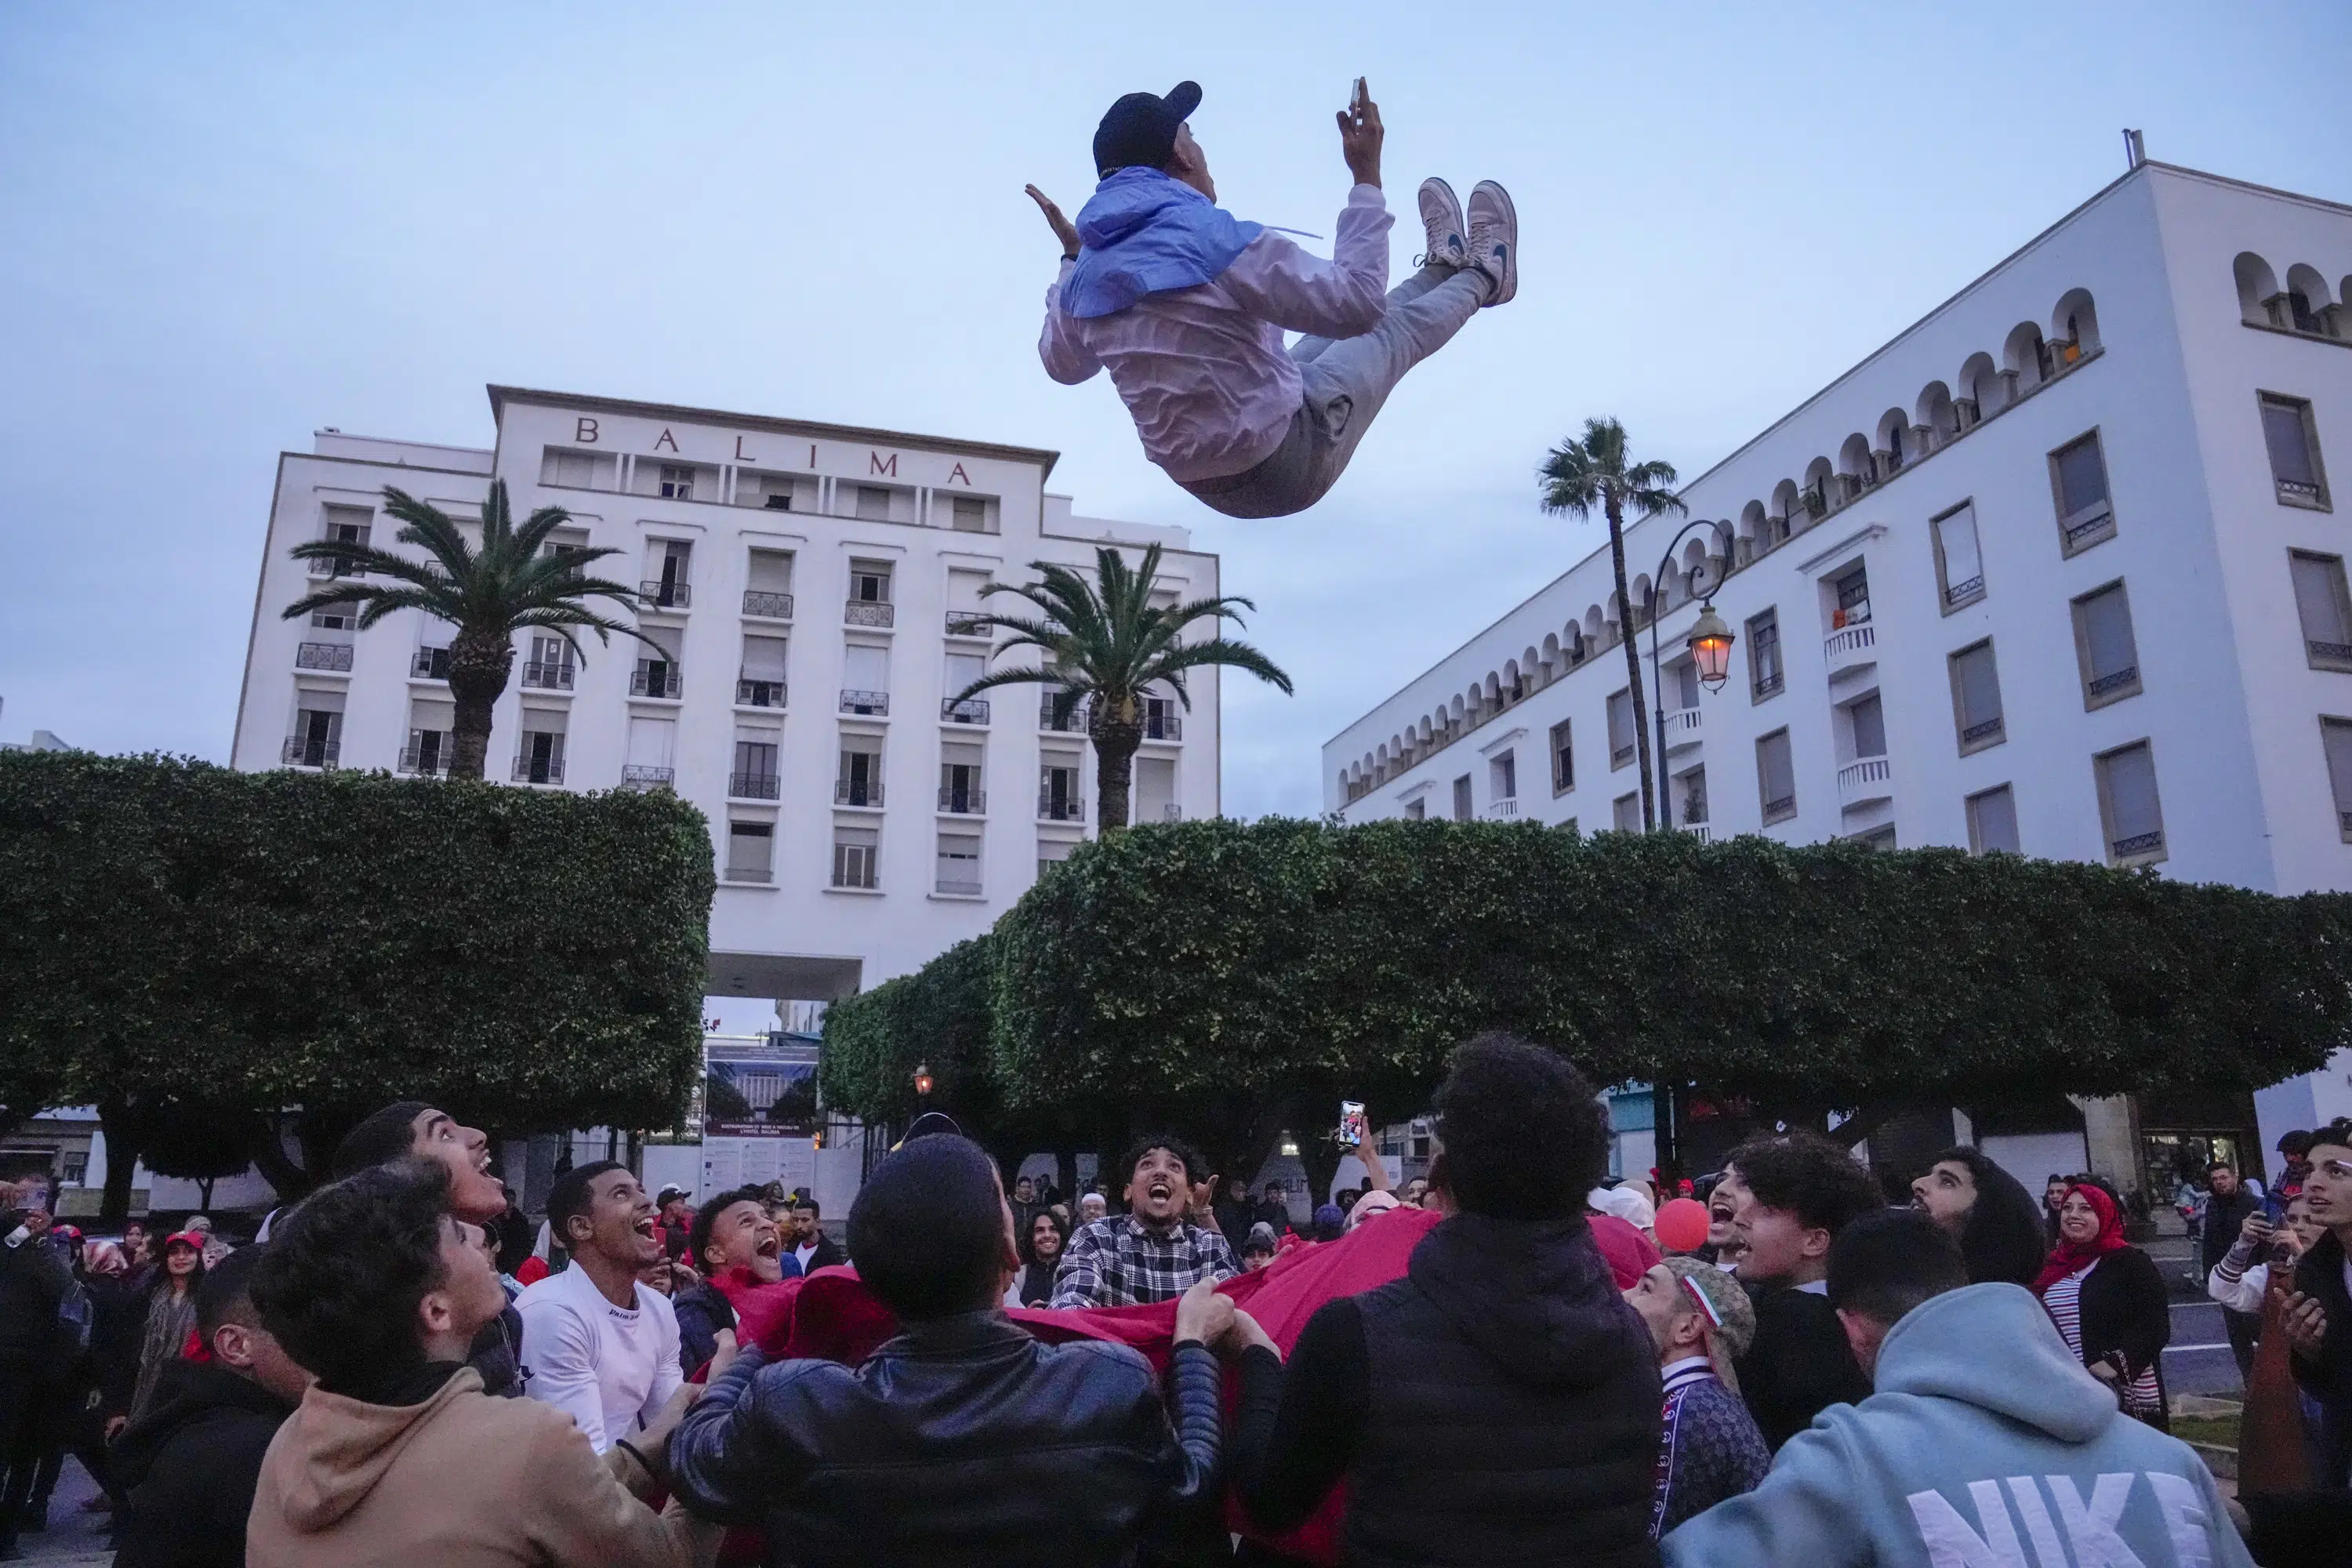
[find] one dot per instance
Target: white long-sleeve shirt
(2235, 1285)
(610, 1368)
(1203, 370)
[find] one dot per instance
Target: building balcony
(337, 566)
(758, 694)
(2137, 845)
(1699, 831)
(753, 786)
(2113, 682)
(1854, 646)
(548, 675)
(666, 595)
(969, 710)
(330, 655)
(1504, 810)
(1060, 808)
(964, 802)
(666, 681)
(959, 888)
(645, 775)
(430, 664)
(1620, 756)
(968, 624)
(1072, 722)
(538, 770)
(427, 761)
(1171, 812)
(868, 613)
(1162, 726)
(750, 874)
(1984, 734)
(1864, 779)
(1682, 728)
(874, 704)
(851, 792)
(1769, 685)
(760, 604)
(305, 751)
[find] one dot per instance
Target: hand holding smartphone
(1351, 1123)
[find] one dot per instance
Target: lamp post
(923, 1081)
(1709, 643)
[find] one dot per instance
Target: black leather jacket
(962, 1441)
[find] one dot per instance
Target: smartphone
(1351, 1123)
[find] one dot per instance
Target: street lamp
(1709, 644)
(923, 1079)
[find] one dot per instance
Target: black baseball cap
(1140, 128)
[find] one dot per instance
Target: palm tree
(1579, 476)
(1104, 648)
(489, 595)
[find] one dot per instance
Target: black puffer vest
(1514, 1404)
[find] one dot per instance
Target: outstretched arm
(1360, 134)
(1065, 356)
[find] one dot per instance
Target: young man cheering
(1186, 306)
(1985, 1443)
(1701, 1321)
(737, 1248)
(2319, 1315)
(1798, 1192)
(1154, 1252)
(600, 1346)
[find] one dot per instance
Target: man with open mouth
(1153, 1252)
(596, 1342)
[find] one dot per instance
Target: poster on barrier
(759, 1112)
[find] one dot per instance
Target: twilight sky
(222, 226)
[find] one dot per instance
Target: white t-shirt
(609, 1368)
(803, 1253)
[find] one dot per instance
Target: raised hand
(1064, 229)
(1359, 136)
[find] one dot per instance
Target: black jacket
(2124, 1308)
(1498, 1404)
(1799, 1364)
(188, 1468)
(701, 1312)
(33, 1280)
(826, 1255)
(960, 1442)
(2320, 1276)
(2219, 1229)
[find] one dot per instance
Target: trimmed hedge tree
(175, 931)
(1283, 958)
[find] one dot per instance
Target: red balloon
(1681, 1225)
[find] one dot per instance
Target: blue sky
(222, 226)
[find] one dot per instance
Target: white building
(2056, 570)
(805, 582)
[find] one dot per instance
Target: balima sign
(779, 451)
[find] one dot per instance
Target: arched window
(2258, 292)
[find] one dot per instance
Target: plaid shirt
(1121, 1263)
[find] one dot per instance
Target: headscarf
(2069, 1257)
(1369, 1204)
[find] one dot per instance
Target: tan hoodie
(462, 1480)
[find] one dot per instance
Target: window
(760, 682)
(1563, 760)
(2128, 806)
(1052, 852)
(676, 482)
(1776, 777)
(864, 679)
(754, 775)
(750, 851)
(1502, 776)
(2327, 611)
(1959, 568)
(960, 784)
(1625, 811)
(2336, 739)
(1992, 822)
(538, 754)
(1621, 719)
(2078, 479)
(669, 590)
(1866, 726)
(579, 470)
(870, 594)
(768, 590)
(1976, 699)
(2104, 646)
(1462, 798)
(967, 600)
(959, 867)
(430, 726)
(344, 525)
(969, 514)
(1853, 592)
(652, 755)
(1154, 782)
(2294, 443)
(1876, 837)
(854, 852)
(657, 673)
(872, 503)
(1416, 808)
(1765, 675)
(1058, 799)
(860, 782)
(1691, 797)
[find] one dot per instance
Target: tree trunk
(204, 1191)
(1632, 661)
(1117, 730)
(479, 663)
(270, 1157)
(121, 1159)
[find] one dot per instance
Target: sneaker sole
(1507, 286)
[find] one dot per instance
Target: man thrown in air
(1186, 306)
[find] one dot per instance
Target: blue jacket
(1985, 1443)
(1144, 233)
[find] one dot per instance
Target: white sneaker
(1494, 238)
(1441, 220)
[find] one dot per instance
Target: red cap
(195, 1239)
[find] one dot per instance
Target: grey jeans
(1346, 382)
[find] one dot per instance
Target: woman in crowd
(2240, 1281)
(2108, 1300)
(1987, 1211)
(1033, 1282)
(170, 1315)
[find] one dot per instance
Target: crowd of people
(1509, 1360)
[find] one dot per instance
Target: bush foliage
(1166, 963)
(170, 929)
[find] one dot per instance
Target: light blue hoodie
(1986, 1446)
(1144, 232)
